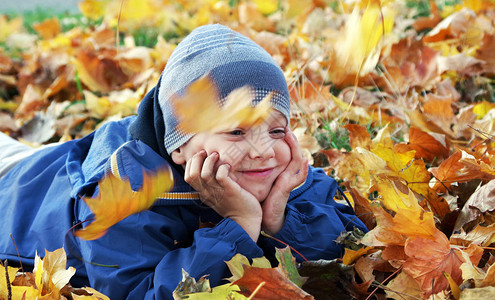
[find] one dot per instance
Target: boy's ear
(178, 156)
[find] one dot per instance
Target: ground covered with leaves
(395, 99)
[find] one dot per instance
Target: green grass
(67, 20)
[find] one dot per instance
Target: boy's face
(256, 155)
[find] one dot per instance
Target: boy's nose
(258, 150)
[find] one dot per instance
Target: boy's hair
(231, 60)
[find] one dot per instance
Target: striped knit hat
(231, 60)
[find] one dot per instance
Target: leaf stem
(271, 237)
(256, 290)
(385, 280)
(17, 250)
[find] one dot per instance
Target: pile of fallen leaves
(412, 90)
(49, 280)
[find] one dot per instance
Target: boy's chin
(261, 195)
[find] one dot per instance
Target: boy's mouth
(258, 172)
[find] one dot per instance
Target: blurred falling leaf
(198, 110)
(358, 53)
(116, 201)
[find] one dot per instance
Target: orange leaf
(116, 201)
(440, 111)
(277, 285)
(48, 29)
(351, 255)
(428, 146)
(429, 259)
(358, 136)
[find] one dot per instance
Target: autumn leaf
(198, 110)
(358, 136)
(274, 284)
(116, 201)
(237, 263)
(359, 50)
(429, 259)
(188, 285)
(6, 272)
(481, 202)
(287, 263)
(403, 286)
(330, 277)
(48, 29)
(49, 280)
(427, 145)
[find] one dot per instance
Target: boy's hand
(220, 192)
(294, 175)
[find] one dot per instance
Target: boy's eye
(278, 132)
(236, 132)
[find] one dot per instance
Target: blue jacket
(41, 200)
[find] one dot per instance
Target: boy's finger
(196, 163)
(207, 172)
(222, 175)
(295, 149)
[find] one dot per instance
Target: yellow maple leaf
(413, 171)
(116, 201)
(10, 272)
(50, 273)
(198, 110)
(238, 262)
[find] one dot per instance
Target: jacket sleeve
(145, 248)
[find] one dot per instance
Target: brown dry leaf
(275, 285)
(403, 287)
(410, 63)
(32, 101)
(428, 146)
(429, 259)
(451, 27)
(471, 165)
(482, 201)
(480, 235)
(99, 71)
(116, 201)
(362, 207)
(439, 111)
(478, 293)
(198, 110)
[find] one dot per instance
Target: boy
(243, 180)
